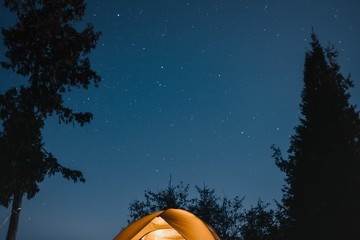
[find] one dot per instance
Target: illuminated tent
(171, 224)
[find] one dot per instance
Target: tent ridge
(169, 224)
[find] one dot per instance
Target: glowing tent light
(171, 224)
(163, 234)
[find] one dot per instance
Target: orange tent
(170, 224)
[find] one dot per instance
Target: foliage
(24, 162)
(226, 216)
(45, 47)
(171, 197)
(322, 169)
(260, 223)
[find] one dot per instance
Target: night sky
(198, 90)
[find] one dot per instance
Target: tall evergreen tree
(46, 48)
(322, 196)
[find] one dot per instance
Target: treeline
(227, 216)
(321, 197)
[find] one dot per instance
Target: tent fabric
(170, 224)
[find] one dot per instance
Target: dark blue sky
(198, 90)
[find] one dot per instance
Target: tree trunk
(15, 215)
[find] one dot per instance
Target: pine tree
(44, 47)
(322, 196)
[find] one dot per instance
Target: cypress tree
(322, 196)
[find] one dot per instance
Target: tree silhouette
(224, 215)
(46, 48)
(24, 162)
(322, 196)
(260, 223)
(171, 197)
